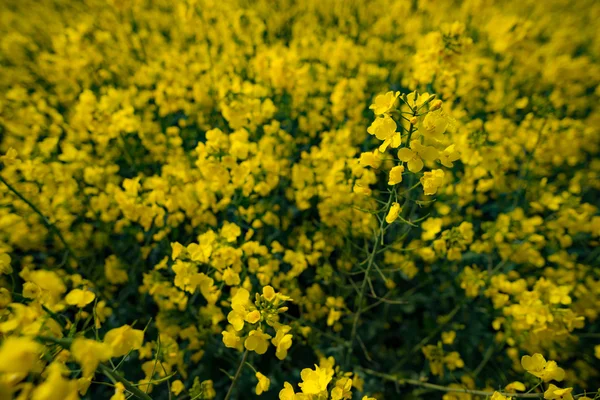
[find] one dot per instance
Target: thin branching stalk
(237, 375)
(441, 388)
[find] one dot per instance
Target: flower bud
(436, 105)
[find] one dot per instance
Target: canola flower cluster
(299, 200)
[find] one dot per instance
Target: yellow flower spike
(263, 383)
(396, 175)
(393, 213)
(80, 297)
(124, 339)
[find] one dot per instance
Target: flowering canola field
(299, 199)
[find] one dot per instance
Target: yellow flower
(431, 227)
(5, 297)
(394, 213)
(89, 353)
(448, 337)
(342, 389)
(314, 381)
(384, 128)
(230, 339)
(435, 356)
(370, 159)
(537, 366)
(384, 102)
(231, 277)
(83, 384)
(434, 125)
(19, 355)
(499, 396)
(230, 231)
(119, 392)
(287, 393)
(55, 387)
(431, 181)
(268, 293)
(5, 268)
(253, 317)
(415, 155)
(124, 339)
(396, 175)
(11, 157)
(31, 290)
(239, 304)
(80, 298)
(448, 156)
(177, 387)
(515, 386)
(240, 300)
(453, 361)
(554, 392)
(177, 249)
(282, 341)
(263, 383)
(257, 341)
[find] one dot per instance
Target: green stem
(441, 388)
(363, 287)
(112, 375)
(237, 375)
(486, 358)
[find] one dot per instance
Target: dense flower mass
(299, 199)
